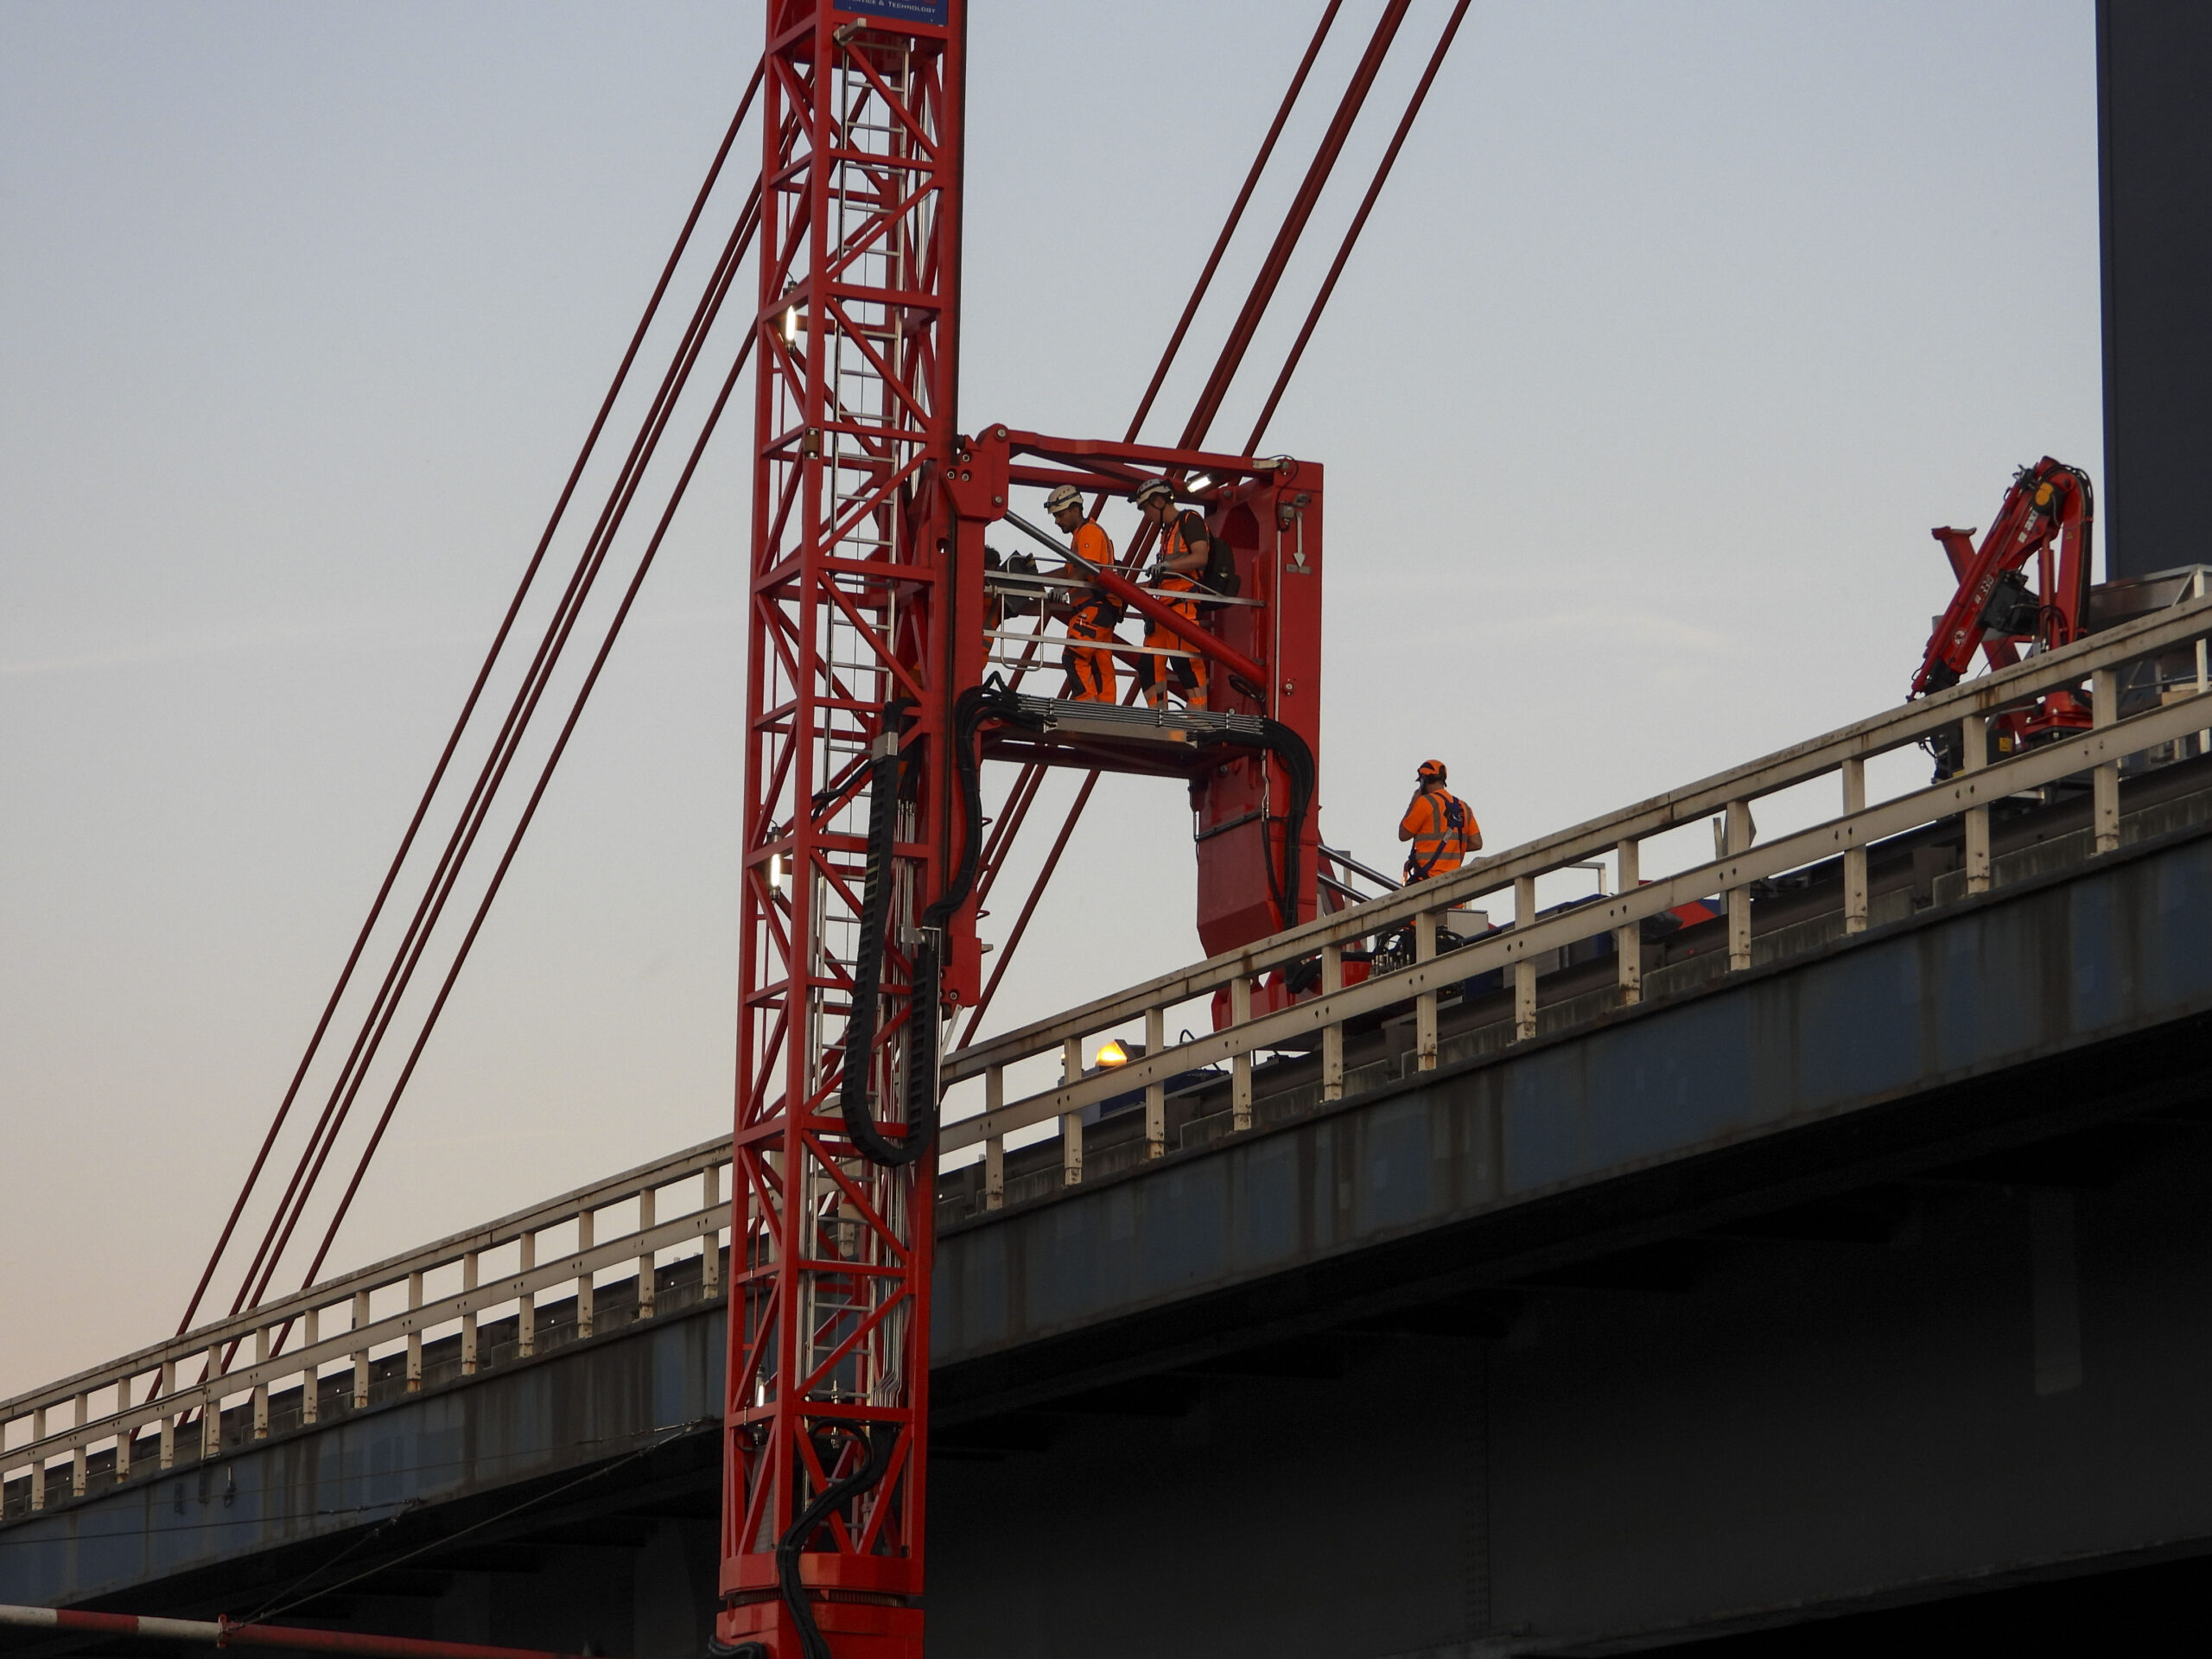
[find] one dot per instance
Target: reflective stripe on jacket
(1443, 832)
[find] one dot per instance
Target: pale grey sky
(1678, 327)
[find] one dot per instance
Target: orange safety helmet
(1431, 771)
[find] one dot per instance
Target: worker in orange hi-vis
(1189, 562)
(1439, 823)
(1088, 615)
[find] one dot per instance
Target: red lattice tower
(827, 1378)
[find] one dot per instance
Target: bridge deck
(1482, 1203)
(1517, 1148)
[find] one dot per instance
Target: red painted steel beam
(529, 809)
(224, 1633)
(468, 706)
(476, 811)
(1189, 630)
(1235, 215)
(1294, 226)
(1358, 223)
(1152, 457)
(291, 1208)
(850, 573)
(1029, 907)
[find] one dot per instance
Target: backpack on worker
(1220, 575)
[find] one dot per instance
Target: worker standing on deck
(1440, 824)
(1088, 614)
(1186, 559)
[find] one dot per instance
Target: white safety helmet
(1062, 499)
(1158, 490)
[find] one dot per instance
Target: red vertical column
(824, 1453)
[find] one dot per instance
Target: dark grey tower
(2154, 109)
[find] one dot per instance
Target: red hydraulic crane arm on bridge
(2049, 515)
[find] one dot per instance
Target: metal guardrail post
(311, 1384)
(260, 1390)
(123, 1436)
(38, 1465)
(468, 1316)
(1524, 971)
(211, 1404)
(414, 1335)
(995, 1148)
(646, 1260)
(168, 1386)
(1739, 899)
(2104, 709)
(526, 1303)
(1071, 1123)
(77, 1451)
(1332, 1034)
(710, 1252)
(1854, 858)
(1973, 750)
(2203, 663)
(586, 1230)
(1240, 1066)
(1155, 1093)
(1425, 1004)
(1628, 942)
(361, 1355)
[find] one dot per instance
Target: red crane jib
(2048, 515)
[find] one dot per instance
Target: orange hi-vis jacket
(1443, 831)
(1092, 674)
(1187, 672)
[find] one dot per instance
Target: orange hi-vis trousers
(1092, 674)
(1184, 673)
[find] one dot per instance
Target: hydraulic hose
(990, 701)
(979, 703)
(867, 972)
(881, 1441)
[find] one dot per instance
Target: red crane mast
(851, 605)
(872, 699)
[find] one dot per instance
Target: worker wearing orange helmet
(1440, 824)
(1089, 615)
(1185, 554)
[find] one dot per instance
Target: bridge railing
(335, 1331)
(665, 1211)
(1516, 949)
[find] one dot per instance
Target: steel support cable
(1294, 226)
(370, 1039)
(1358, 223)
(310, 1161)
(1012, 816)
(1229, 226)
(468, 707)
(537, 793)
(474, 812)
(1140, 544)
(1249, 317)
(1028, 908)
